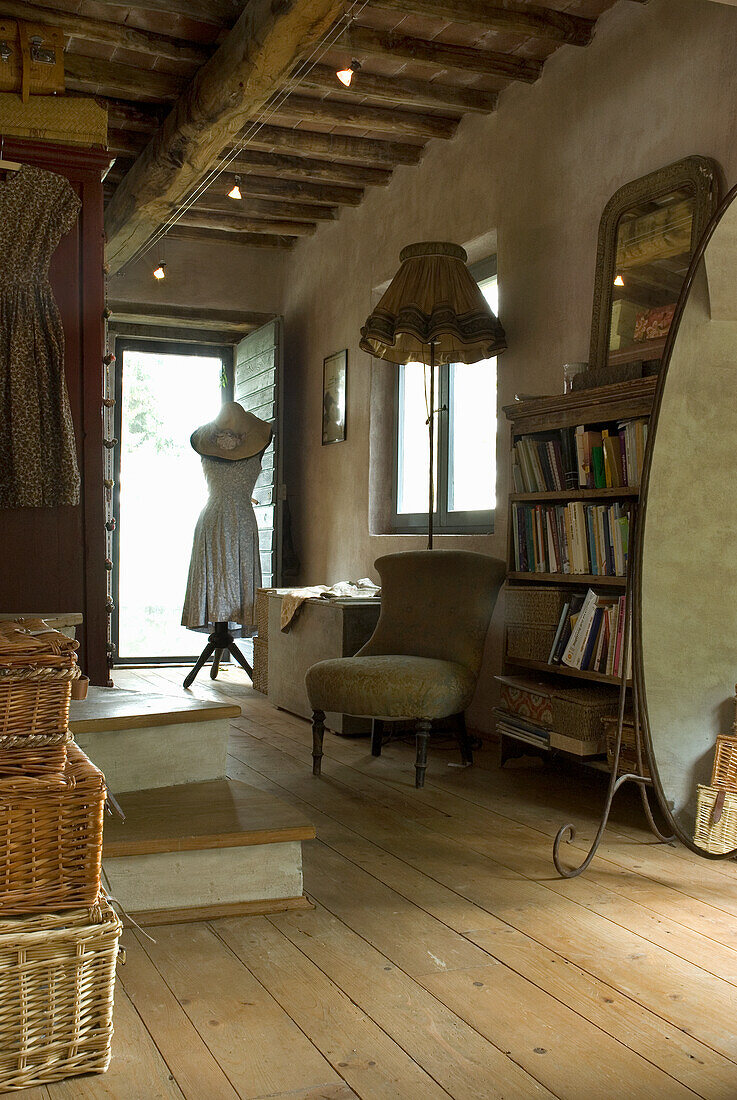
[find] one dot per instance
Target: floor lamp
(433, 312)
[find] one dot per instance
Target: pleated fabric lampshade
(433, 312)
(433, 302)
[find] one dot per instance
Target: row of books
(571, 538)
(590, 635)
(580, 458)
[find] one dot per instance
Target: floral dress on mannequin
(38, 458)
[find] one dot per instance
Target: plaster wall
(201, 274)
(658, 82)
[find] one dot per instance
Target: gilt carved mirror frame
(699, 174)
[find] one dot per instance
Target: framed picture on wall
(334, 371)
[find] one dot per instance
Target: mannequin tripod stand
(219, 642)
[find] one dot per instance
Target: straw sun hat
(233, 434)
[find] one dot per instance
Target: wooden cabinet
(53, 559)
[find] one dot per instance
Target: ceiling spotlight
(160, 271)
(619, 281)
(235, 191)
(345, 76)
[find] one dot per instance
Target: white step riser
(217, 876)
(158, 756)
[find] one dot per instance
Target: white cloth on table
(293, 599)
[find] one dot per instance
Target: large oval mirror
(685, 594)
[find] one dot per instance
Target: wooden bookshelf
(595, 409)
(624, 492)
(587, 580)
(563, 670)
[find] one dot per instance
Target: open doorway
(164, 392)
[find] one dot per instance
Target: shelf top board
(565, 410)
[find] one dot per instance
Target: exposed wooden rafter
(110, 33)
(514, 18)
(253, 62)
(203, 219)
(400, 89)
(111, 78)
(301, 190)
(222, 13)
(365, 117)
(264, 208)
(365, 41)
(362, 150)
(327, 171)
(250, 240)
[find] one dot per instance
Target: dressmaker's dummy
(225, 569)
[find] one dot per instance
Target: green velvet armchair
(422, 661)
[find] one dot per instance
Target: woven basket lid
(28, 643)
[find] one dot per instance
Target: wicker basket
(38, 666)
(628, 749)
(724, 772)
(38, 757)
(538, 606)
(51, 839)
(261, 665)
(529, 643)
(716, 823)
(577, 712)
(57, 976)
(262, 612)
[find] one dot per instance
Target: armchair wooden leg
(377, 733)
(318, 732)
(464, 741)
(422, 735)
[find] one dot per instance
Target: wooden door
(257, 385)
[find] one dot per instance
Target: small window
(465, 457)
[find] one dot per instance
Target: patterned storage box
(716, 820)
(532, 702)
(51, 839)
(57, 976)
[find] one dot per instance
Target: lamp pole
(431, 427)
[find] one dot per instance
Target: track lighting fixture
(235, 191)
(345, 76)
(160, 271)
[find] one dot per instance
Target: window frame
(445, 522)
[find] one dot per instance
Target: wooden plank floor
(444, 957)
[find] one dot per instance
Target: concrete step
(140, 740)
(197, 851)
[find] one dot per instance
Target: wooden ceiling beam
(264, 208)
(327, 171)
(220, 13)
(399, 89)
(125, 143)
(254, 61)
(164, 314)
(301, 191)
(222, 236)
(131, 116)
(341, 113)
(370, 151)
(117, 34)
(514, 18)
(365, 41)
(110, 78)
(205, 219)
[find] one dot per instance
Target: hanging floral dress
(38, 459)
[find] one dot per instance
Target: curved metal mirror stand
(684, 606)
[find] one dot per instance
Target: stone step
(197, 851)
(141, 740)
